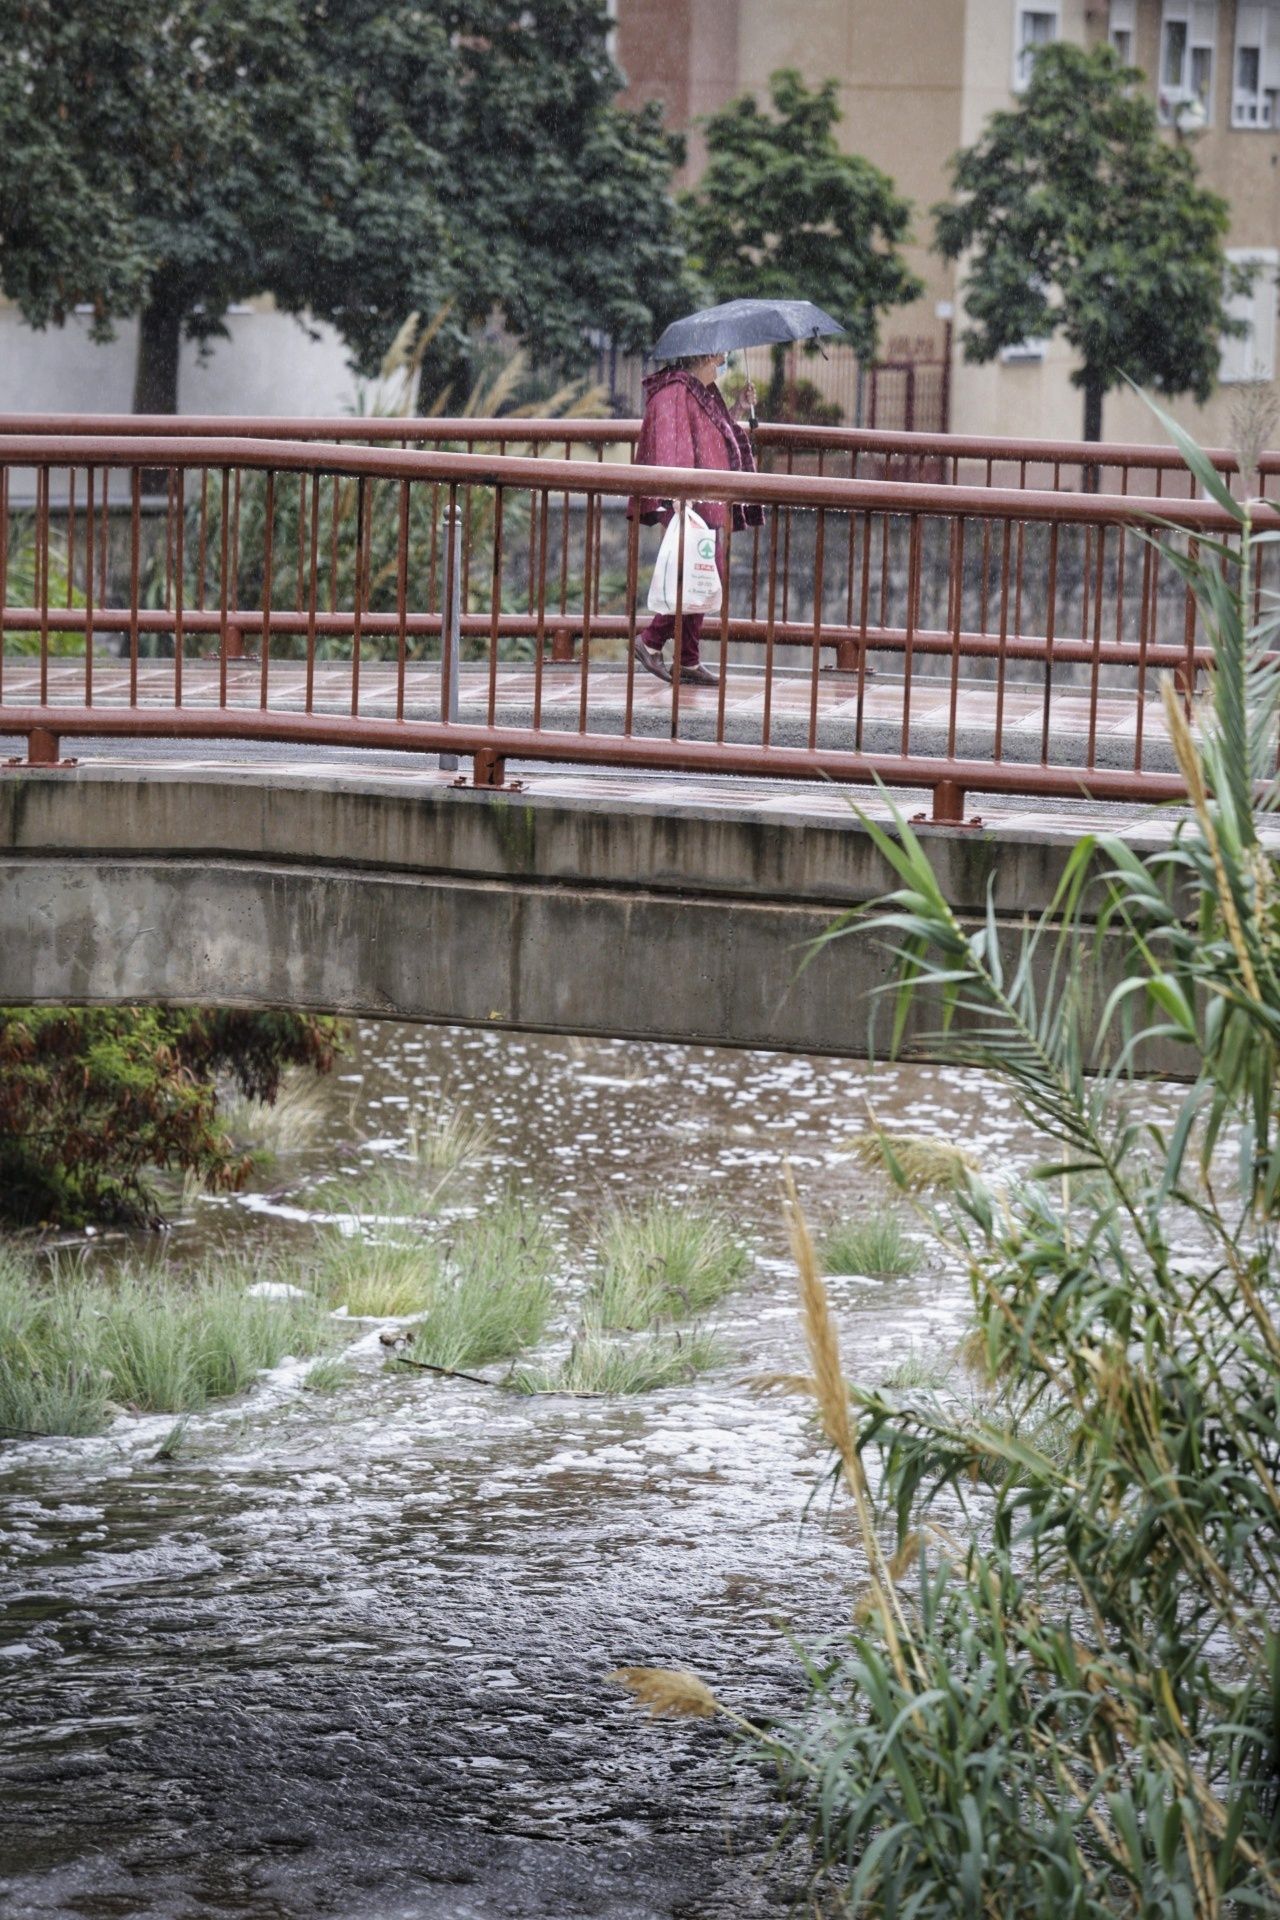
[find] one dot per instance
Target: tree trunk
(1093, 393)
(777, 382)
(155, 380)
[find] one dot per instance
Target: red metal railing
(831, 452)
(945, 637)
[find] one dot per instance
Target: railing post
(948, 803)
(451, 628)
(42, 750)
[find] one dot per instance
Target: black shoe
(698, 676)
(651, 660)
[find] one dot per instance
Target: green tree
(1079, 218)
(782, 213)
(92, 1099)
(167, 158)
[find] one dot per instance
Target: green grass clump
(599, 1365)
(374, 1278)
(444, 1137)
(919, 1369)
(293, 1120)
(876, 1243)
(328, 1375)
(662, 1261)
(50, 1379)
(497, 1297)
(73, 1347)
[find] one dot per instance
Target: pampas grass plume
(668, 1693)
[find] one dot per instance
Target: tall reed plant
(1066, 1699)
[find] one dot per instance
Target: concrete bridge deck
(846, 713)
(654, 906)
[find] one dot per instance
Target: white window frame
(1254, 356)
(1123, 24)
(1257, 109)
(1024, 47)
(1199, 20)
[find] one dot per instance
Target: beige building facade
(918, 79)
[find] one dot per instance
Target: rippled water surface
(344, 1654)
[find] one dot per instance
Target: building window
(1252, 355)
(1034, 27)
(1188, 33)
(1255, 90)
(1121, 29)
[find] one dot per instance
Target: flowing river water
(344, 1654)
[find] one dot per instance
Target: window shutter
(1204, 22)
(1270, 44)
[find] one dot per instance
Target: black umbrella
(744, 323)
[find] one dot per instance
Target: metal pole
(451, 628)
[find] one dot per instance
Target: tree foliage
(1077, 217)
(171, 157)
(782, 213)
(92, 1099)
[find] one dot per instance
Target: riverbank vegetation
(659, 1261)
(875, 1243)
(77, 1348)
(1066, 1698)
(95, 1100)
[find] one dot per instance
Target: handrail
(684, 483)
(344, 429)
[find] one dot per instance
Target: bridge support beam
(413, 899)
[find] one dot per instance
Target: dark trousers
(662, 626)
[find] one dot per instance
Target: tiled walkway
(1114, 718)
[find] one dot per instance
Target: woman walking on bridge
(687, 424)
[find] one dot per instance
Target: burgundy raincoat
(687, 424)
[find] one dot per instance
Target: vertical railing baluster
(135, 574)
(313, 592)
(1002, 655)
(677, 644)
(771, 607)
(726, 578)
(360, 589)
(42, 574)
(268, 564)
(224, 585)
(908, 658)
(633, 572)
(451, 621)
(593, 506)
(1050, 630)
(89, 552)
(1095, 665)
(540, 638)
(819, 559)
(495, 603)
(179, 594)
(957, 616)
(864, 608)
(402, 598)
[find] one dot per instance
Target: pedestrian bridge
(658, 908)
(359, 728)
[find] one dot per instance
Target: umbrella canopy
(744, 323)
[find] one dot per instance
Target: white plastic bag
(702, 589)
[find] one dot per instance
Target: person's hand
(746, 401)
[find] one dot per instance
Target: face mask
(722, 367)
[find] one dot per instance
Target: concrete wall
(383, 895)
(270, 365)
